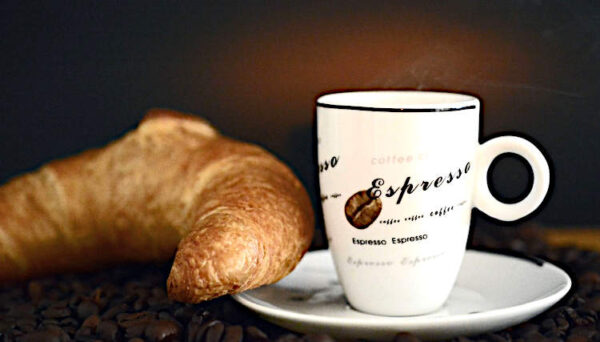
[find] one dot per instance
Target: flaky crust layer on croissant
(236, 217)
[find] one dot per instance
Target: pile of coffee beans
(129, 303)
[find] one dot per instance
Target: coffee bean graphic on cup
(362, 210)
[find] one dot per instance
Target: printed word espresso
(394, 240)
(375, 190)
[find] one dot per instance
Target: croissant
(235, 217)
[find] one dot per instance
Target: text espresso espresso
(392, 241)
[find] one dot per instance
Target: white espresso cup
(399, 173)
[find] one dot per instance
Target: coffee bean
(198, 334)
(405, 337)
(495, 338)
(158, 291)
(48, 335)
(139, 304)
(110, 289)
(233, 333)
(7, 324)
(288, 338)
(26, 324)
(191, 331)
(184, 313)
(166, 316)
(126, 320)
(83, 334)
(50, 322)
(463, 339)
(58, 311)
(577, 338)
(253, 334)
(576, 300)
(585, 312)
(526, 330)
(136, 329)
(554, 335)
(537, 337)
(361, 210)
(214, 332)
(570, 314)
(158, 304)
(59, 332)
(317, 338)
(108, 330)
(162, 330)
(45, 303)
(588, 331)
(100, 297)
(201, 316)
(548, 324)
(582, 321)
(91, 322)
(21, 310)
(197, 329)
(73, 302)
(112, 312)
(593, 304)
(87, 308)
(69, 321)
(83, 338)
(136, 339)
(562, 324)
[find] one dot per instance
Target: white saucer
(492, 292)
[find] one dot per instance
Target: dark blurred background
(79, 74)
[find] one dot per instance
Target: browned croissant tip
(163, 113)
(168, 119)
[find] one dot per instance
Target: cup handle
(486, 202)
